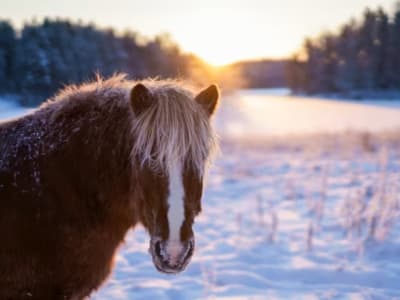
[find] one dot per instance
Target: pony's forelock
(174, 130)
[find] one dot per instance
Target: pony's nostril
(190, 250)
(157, 248)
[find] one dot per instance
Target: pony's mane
(174, 129)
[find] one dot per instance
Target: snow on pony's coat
(81, 170)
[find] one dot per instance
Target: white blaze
(176, 210)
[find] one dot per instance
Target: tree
(380, 55)
(46, 55)
(395, 48)
(347, 57)
(7, 56)
(295, 74)
(364, 55)
(32, 63)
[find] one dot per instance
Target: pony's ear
(141, 98)
(208, 99)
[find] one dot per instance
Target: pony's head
(173, 140)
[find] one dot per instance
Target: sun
(231, 32)
(219, 57)
(220, 47)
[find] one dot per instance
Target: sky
(219, 31)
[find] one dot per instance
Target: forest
(44, 56)
(363, 55)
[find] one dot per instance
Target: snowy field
(272, 112)
(298, 205)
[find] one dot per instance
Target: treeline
(44, 56)
(363, 55)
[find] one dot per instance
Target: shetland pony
(94, 161)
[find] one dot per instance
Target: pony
(89, 164)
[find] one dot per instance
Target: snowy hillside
(288, 217)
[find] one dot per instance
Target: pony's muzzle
(171, 257)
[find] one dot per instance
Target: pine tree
(7, 56)
(32, 64)
(395, 48)
(347, 57)
(380, 55)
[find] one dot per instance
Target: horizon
(195, 27)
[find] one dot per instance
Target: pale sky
(219, 31)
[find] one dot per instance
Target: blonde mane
(174, 129)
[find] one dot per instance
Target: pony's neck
(95, 159)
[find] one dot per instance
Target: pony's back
(57, 235)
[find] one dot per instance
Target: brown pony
(79, 172)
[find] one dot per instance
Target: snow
(258, 114)
(384, 103)
(10, 109)
(254, 236)
(310, 219)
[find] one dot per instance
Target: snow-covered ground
(259, 113)
(283, 224)
(10, 109)
(287, 217)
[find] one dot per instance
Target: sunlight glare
(223, 41)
